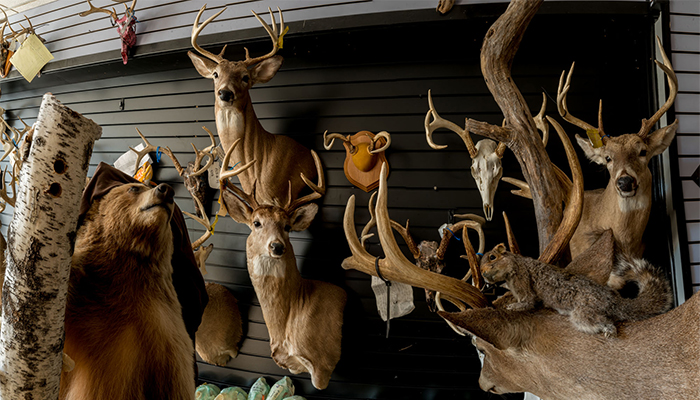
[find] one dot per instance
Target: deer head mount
(126, 25)
(625, 203)
(364, 156)
(280, 159)
(304, 317)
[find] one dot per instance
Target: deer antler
(403, 231)
(395, 266)
(512, 243)
(574, 208)
(439, 122)
(225, 174)
(328, 144)
(197, 29)
(94, 9)
(3, 190)
(382, 134)
(673, 91)
(541, 122)
(562, 91)
(274, 35)
(319, 189)
(204, 221)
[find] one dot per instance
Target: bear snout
(165, 193)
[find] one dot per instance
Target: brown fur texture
(591, 307)
(124, 327)
(221, 329)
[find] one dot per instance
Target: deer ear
(204, 66)
(237, 208)
(303, 216)
(661, 139)
(592, 153)
(265, 70)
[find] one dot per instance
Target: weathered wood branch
(41, 236)
(499, 48)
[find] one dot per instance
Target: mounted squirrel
(592, 308)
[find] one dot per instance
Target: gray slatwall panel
(685, 43)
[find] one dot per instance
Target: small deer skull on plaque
(364, 156)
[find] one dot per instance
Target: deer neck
(277, 283)
(240, 123)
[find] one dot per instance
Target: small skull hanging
(126, 25)
(363, 160)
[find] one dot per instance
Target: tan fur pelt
(124, 326)
(221, 329)
(592, 307)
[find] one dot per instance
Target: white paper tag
(401, 298)
(127, 161)
(213, 175)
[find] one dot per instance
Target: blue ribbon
(158, 154)
(453, 234)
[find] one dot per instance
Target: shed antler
(395, 266)
(438, 122)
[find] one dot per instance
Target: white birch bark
(40, 244)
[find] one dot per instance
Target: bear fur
(124, 326)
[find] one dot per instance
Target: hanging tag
(594, 137)
(126, 161)
(31, 57)
(213, 174)
(280, 41)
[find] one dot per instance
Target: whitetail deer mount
(304, 317)
(280, 158)
(364, 155)
(624, 205)
(126, 25)
(486, 154)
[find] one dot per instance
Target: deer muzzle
(225, 95)
(627, 186)
(276, 249)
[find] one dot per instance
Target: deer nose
(626, 184)
(165, 193)
(277, 248)
(225, 95)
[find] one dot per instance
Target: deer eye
(643, 153)
(215, 75)
(608, 159)
(287, 228)
(256, 224)
(245, 78)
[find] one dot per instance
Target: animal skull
(487, 171)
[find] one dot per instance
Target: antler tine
(438, 123)
(475, 222)
(128, 8)
(574, 208)
(94, 9)
(224, 175)
(541, 122)
(9, 25)
(197, 29)
(647, 125)
(471, 255)
(3, 191)
(274, 35)
(142, 153)
(512, 243)
(500, 150)
(204, 221)
(562, 91)
(382, 134)
(327, 145)
(371, 223)
(406, 235)
(199, 155)
(211, 147)
(319, 189)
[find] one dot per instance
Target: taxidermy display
(280, 159)
(364, 156)
(304, 317)
(221, 330)
(124, 324)
(625, 204)
(591, 307)
(126, 25)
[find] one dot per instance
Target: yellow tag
(145, 173)
(222, 210)
(31, 57)
(594, 137)
(280, 41)
(216, 219)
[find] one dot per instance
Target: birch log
(40, 242)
